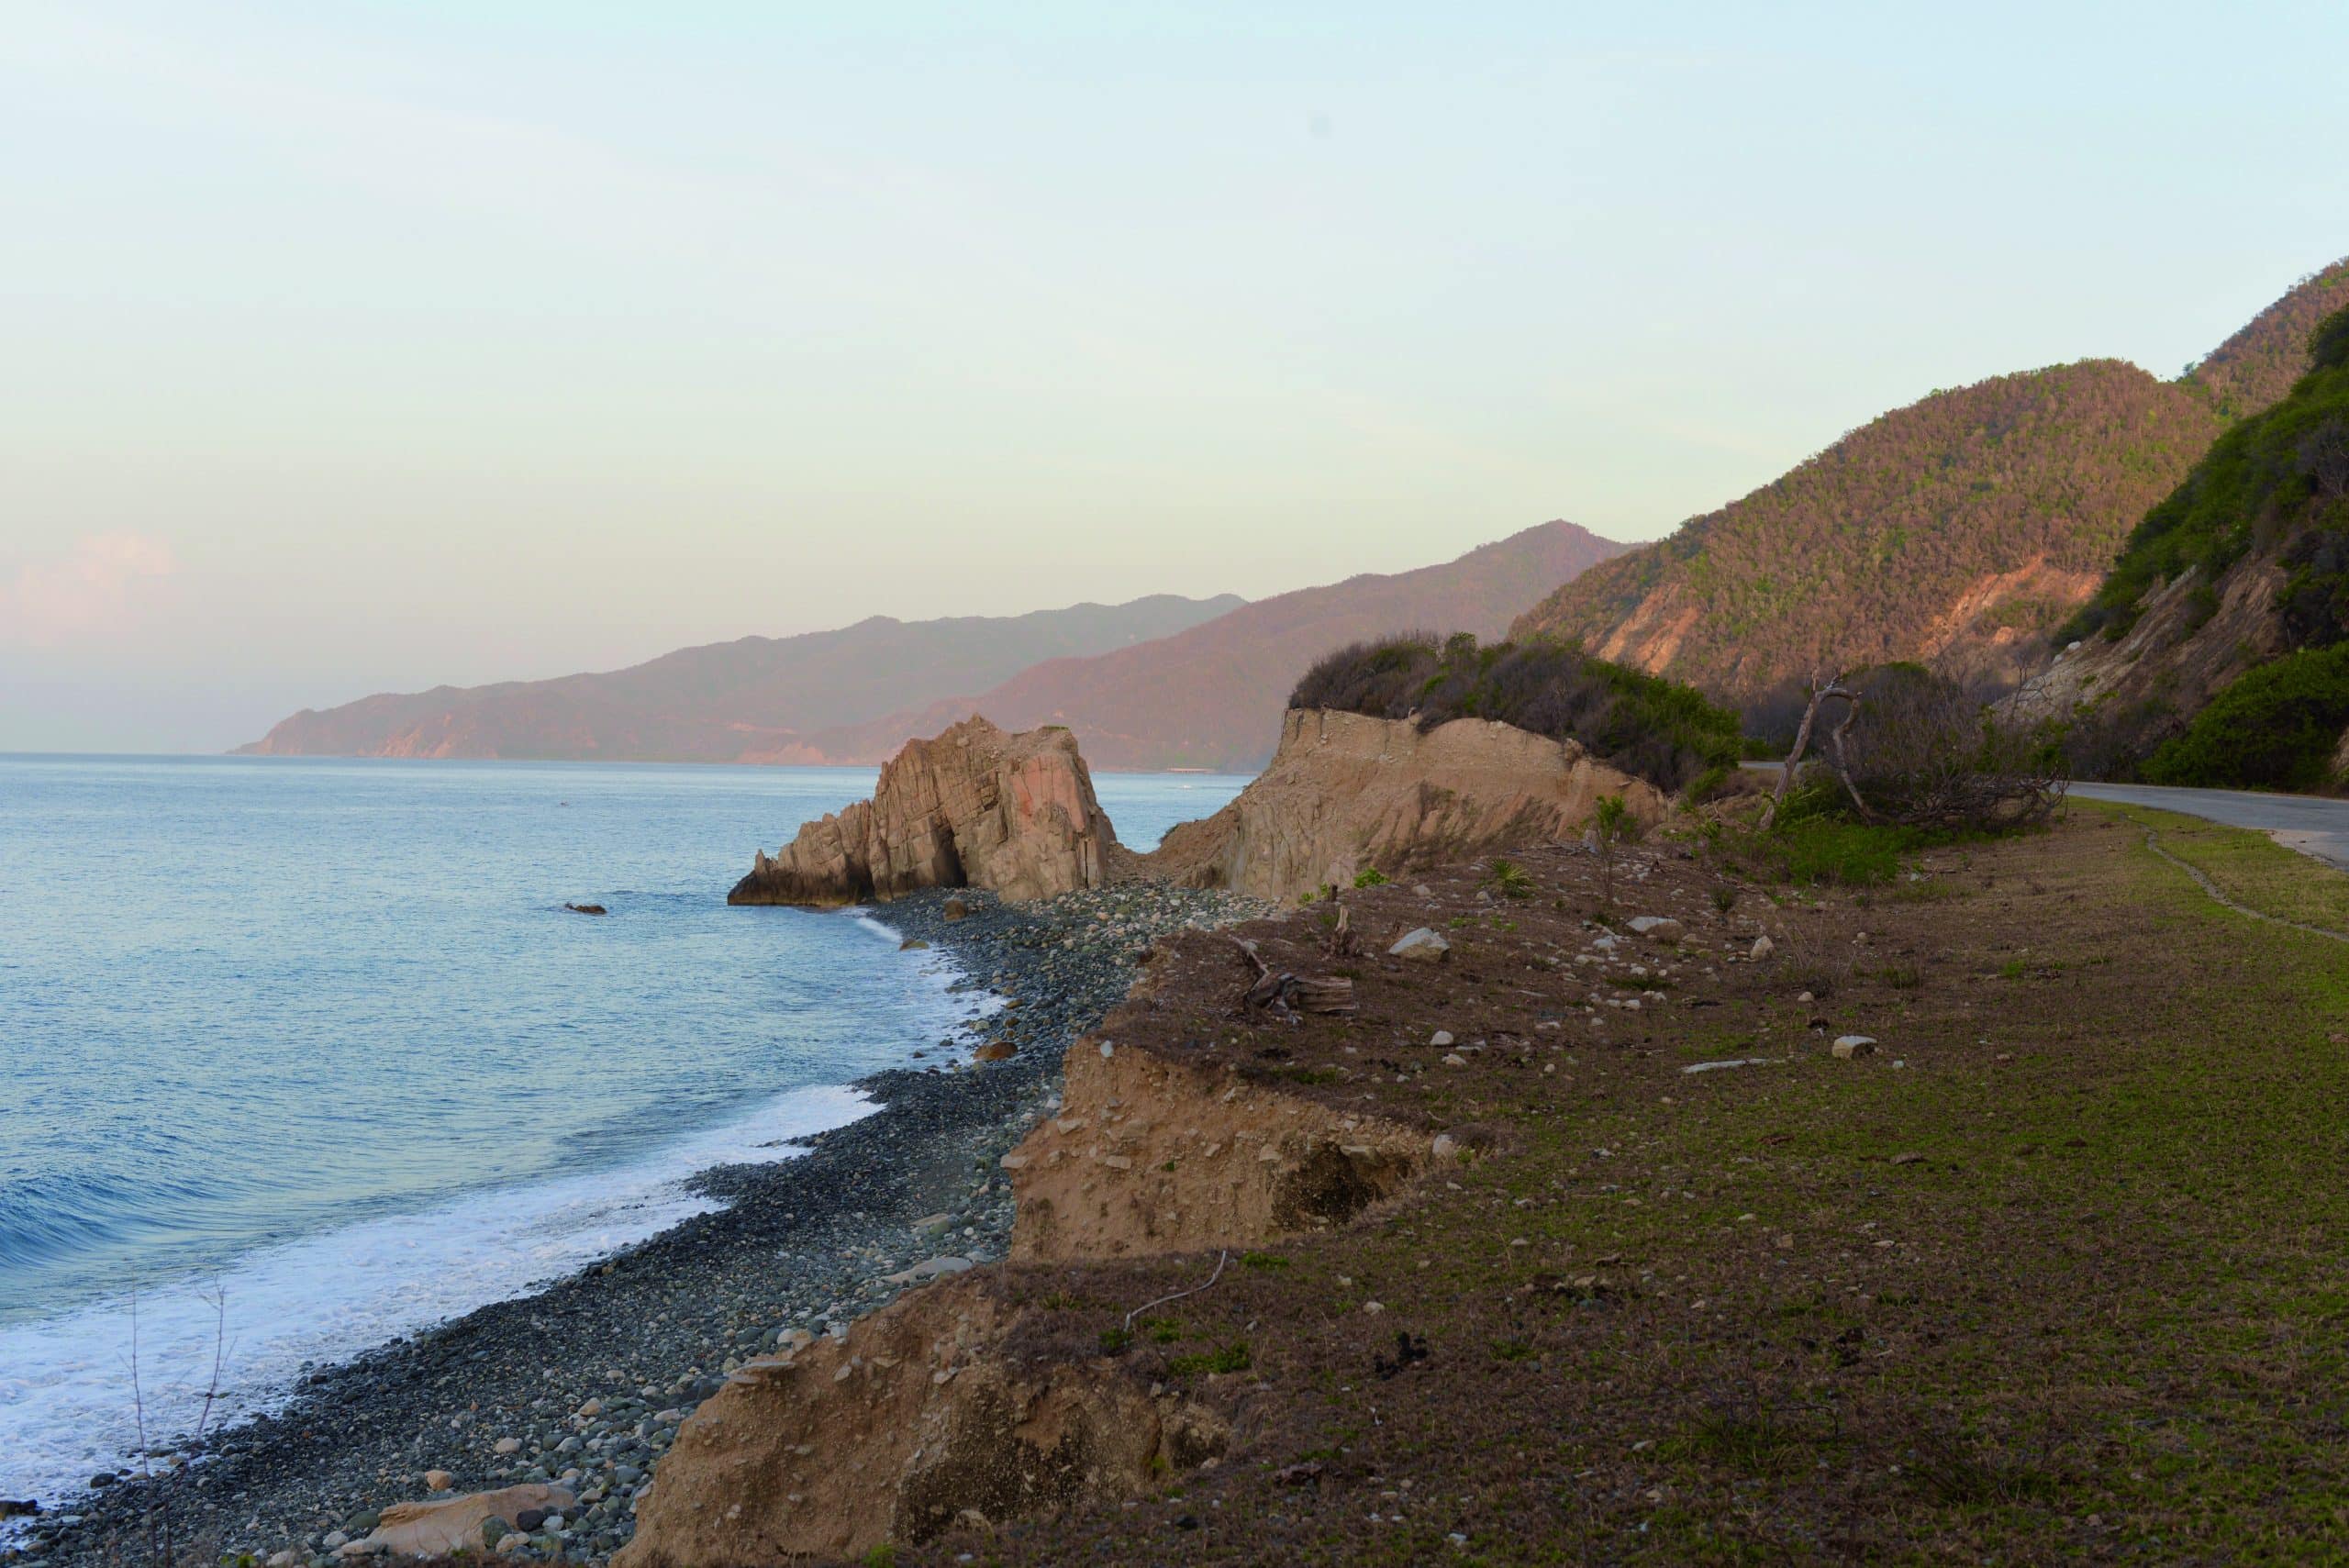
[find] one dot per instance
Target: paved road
(2306, 823)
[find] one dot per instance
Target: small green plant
(1263, 1260)
(1513, 1350)
(1611, 823)
(1163, 1330)
(881, 1556)
(1724, 899)
(1115, 1341)
(1903, 976)
(1233, 1357)
(1511, 880)
(1370, 877)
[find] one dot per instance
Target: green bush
(1373, 877)
(1657, 730)
(1816, 841)
(2275, 728)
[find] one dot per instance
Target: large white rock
(435, 1530)
(1422, 946)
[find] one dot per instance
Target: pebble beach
(583, 1383)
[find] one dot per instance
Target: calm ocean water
(321, 1036)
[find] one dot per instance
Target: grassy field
(2060, 1272)
(2250, 868)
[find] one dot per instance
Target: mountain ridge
(1212, 696)
(1959, 530)
(711, 701)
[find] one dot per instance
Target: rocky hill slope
(1211, 696)
(1958, 531)
(2235, 583)
(729, 700)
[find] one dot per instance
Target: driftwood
(1288, 995)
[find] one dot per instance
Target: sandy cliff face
(973, 807)
(1346, 793)
(914, 1421)
(1153, 1156)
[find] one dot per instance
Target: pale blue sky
(353, 346)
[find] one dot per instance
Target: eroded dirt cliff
(1347, 793)
(920, 1418)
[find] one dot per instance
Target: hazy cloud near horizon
(374, 347)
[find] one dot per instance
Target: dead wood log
(1821, 689)
(1287, 996)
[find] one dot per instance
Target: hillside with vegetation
(2258, 365)
(2212, 653)
(1958, 532)
(1650, 728)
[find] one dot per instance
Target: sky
(360, 346)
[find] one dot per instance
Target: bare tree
(1822, 690)
(1910, 746)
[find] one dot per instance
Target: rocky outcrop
(973, 807)
(1346, 794)
(1149, 1155)
(915, 1420)
(2192, 640)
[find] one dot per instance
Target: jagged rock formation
(1149, 1155)
(1347, 793)
(973, 807)
(2179, 654)
(913, 1421)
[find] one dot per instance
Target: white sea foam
(66, 1388)
(66, 1407)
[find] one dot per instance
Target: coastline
(637, 1340)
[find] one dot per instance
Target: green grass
(1233, 1357)
(2250, 868)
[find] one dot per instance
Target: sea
(298, 1056)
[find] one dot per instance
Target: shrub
(1657, 730)
(1512, 880)
(1372, 877)
(2273, 727)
